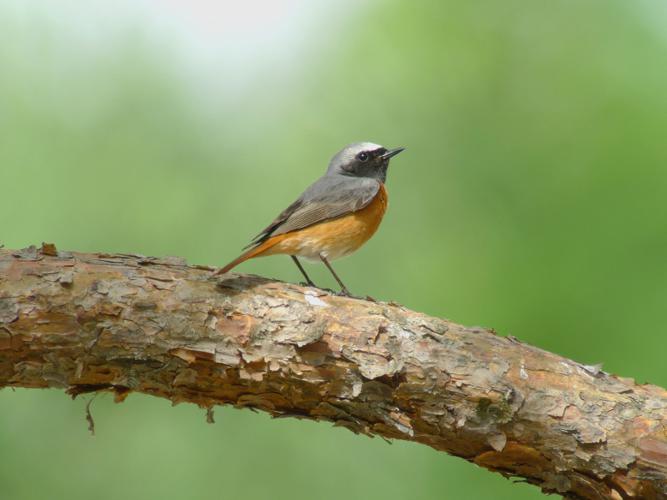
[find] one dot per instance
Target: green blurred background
(532, 198)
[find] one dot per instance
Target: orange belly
(333, 238)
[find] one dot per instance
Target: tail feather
(249, 254)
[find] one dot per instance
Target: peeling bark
(124, 323)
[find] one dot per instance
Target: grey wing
(327, 198)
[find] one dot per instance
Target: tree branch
(90, 322)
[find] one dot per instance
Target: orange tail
(249, 254)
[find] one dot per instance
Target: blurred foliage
(531, 199)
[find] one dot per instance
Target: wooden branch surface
(89, 322)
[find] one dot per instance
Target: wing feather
(329, 197)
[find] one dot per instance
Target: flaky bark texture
(89, 322)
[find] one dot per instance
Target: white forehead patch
(358, 147)
(352, 150)
(348, 153)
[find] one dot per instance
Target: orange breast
(335, 237)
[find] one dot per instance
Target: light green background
(531, 199)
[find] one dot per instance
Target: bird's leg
(309, 282)
(343, 288)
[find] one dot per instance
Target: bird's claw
(313, 285)
(346, 293)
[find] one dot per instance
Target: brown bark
(89, 322)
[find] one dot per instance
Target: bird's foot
(346, 293)
(322, 289)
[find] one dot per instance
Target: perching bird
(335, 216)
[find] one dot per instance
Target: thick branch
(125, 323)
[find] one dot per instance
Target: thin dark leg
(309, 282)
(343, 288)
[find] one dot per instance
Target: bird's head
(363, 159)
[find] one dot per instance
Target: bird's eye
(363, 156)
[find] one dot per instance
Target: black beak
(391, 153)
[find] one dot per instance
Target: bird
(334, 216)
